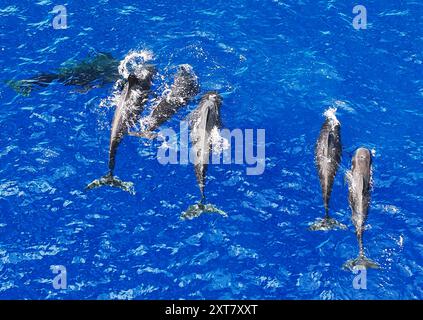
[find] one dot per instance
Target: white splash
(113, 99)
(217, 141)
(331, 115)
(400, 241)
(144, 123)
(132, 61)
(344, 105)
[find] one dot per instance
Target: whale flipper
(361, 260)
(110, 180)
(198, 209)
(143, 134)
(327, 224)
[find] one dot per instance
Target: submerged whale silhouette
(93, 72)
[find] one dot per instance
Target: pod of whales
(134, 95)
(328, 153)
(185, 86)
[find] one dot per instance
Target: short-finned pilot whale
(134, 95)
(359, 185)
(328, 157)
(87, 74)
(185, 86)
(202, 121)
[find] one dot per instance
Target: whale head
(362, 160)
(213, 97)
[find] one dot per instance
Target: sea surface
(278, 66)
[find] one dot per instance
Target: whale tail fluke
(20, 86)
(198, 209)
(362, 261)
(26, 86)
(110, 180)
(145, 134)
(327, 224)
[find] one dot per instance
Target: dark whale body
(328, 152)
(359, 186)
(134, 95)
(202, 121)
(184, 88)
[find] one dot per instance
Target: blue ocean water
(278, 65)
